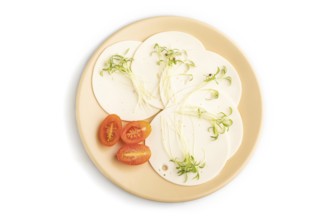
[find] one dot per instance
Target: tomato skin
(134, 154)
(110, 130)
(135, 132)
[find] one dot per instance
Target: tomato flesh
(134, 154)
(110, 130)
(136, 132)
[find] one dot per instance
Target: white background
(44, 171)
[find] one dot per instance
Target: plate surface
(142, 180)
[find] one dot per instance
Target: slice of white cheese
(207, 63)
(223, 103)
(115, 93)
(165, 145)
(146, 65)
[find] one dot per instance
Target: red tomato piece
(136, 132)
(110, 130)
(134, 154)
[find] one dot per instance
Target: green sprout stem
(213, 94)
(167, 59)
(187, 164)
(220, 74)
(220, 123)
(122, 65)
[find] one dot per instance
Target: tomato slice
(110, 130)
(135, 132)
(134, 154)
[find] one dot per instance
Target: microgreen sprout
(171, 57)
(122, 65)
(167, 59)
(188, 165)
(220, 122)
(213, 94)
(117, 64)
(220, 74)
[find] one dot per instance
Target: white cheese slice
(223, 103)
(207, 63)
(164, 144)
(145, 62)
(115, 93)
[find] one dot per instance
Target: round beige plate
(142, 180)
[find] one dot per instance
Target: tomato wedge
(110, 130)
(135, 132)
(134, 154)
